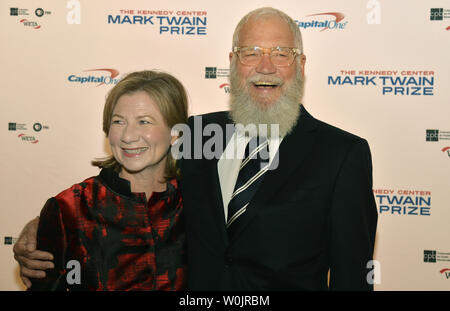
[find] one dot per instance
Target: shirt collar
(122, 186)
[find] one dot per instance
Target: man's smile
(263, 84)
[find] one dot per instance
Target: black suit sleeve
(51, 237)
(353, 221)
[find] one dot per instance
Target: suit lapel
(217, 201)
(216, 193)
(292, 153)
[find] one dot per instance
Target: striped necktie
(251, 173)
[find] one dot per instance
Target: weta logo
(225, 87)
(30, 139)
(28, 23)
(446, 272)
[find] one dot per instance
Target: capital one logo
(111, 79)
(101, 80)
(446, 149)
(333, 24)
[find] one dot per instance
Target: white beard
(284, 112)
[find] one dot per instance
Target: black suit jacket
(316, 212)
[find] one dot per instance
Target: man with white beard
(293, 208)
(309, 215)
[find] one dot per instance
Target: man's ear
(302, 63)
(231, 56)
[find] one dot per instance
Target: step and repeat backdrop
(377, 68)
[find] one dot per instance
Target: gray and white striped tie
(251, 173)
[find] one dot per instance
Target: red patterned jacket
(121, 241)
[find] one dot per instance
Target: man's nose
(266, 66)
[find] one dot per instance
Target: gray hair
(268, 11)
